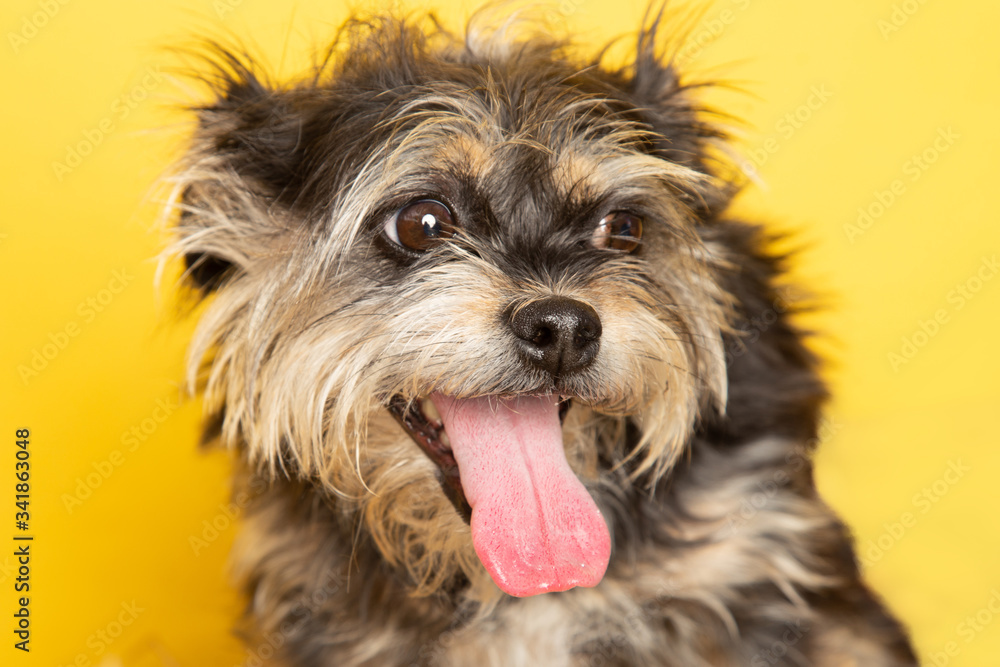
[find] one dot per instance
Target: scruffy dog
(509, 386)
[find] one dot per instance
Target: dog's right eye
(619, 230)
(421, 225)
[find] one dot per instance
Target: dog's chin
(535, 527)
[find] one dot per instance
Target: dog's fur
(692, 429)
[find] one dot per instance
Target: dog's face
(445, 275)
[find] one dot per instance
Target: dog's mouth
(421, 420)
(535, 527)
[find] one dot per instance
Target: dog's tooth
(443, 437)
(427, 405)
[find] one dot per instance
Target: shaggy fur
(691, 429)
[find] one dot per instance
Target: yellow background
(891, 432)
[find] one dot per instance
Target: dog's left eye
(619, 230)
(421, 225)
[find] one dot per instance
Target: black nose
(557, 334)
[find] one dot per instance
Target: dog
(508, 383)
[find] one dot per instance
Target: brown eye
(421, 225)
(618, 231)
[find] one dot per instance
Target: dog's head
(488, 233)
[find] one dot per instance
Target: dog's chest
(566, 630)
(532, 631)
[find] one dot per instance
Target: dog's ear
(242, 163)
(252, 124)
(682, 128)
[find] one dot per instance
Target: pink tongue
(534, 526)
